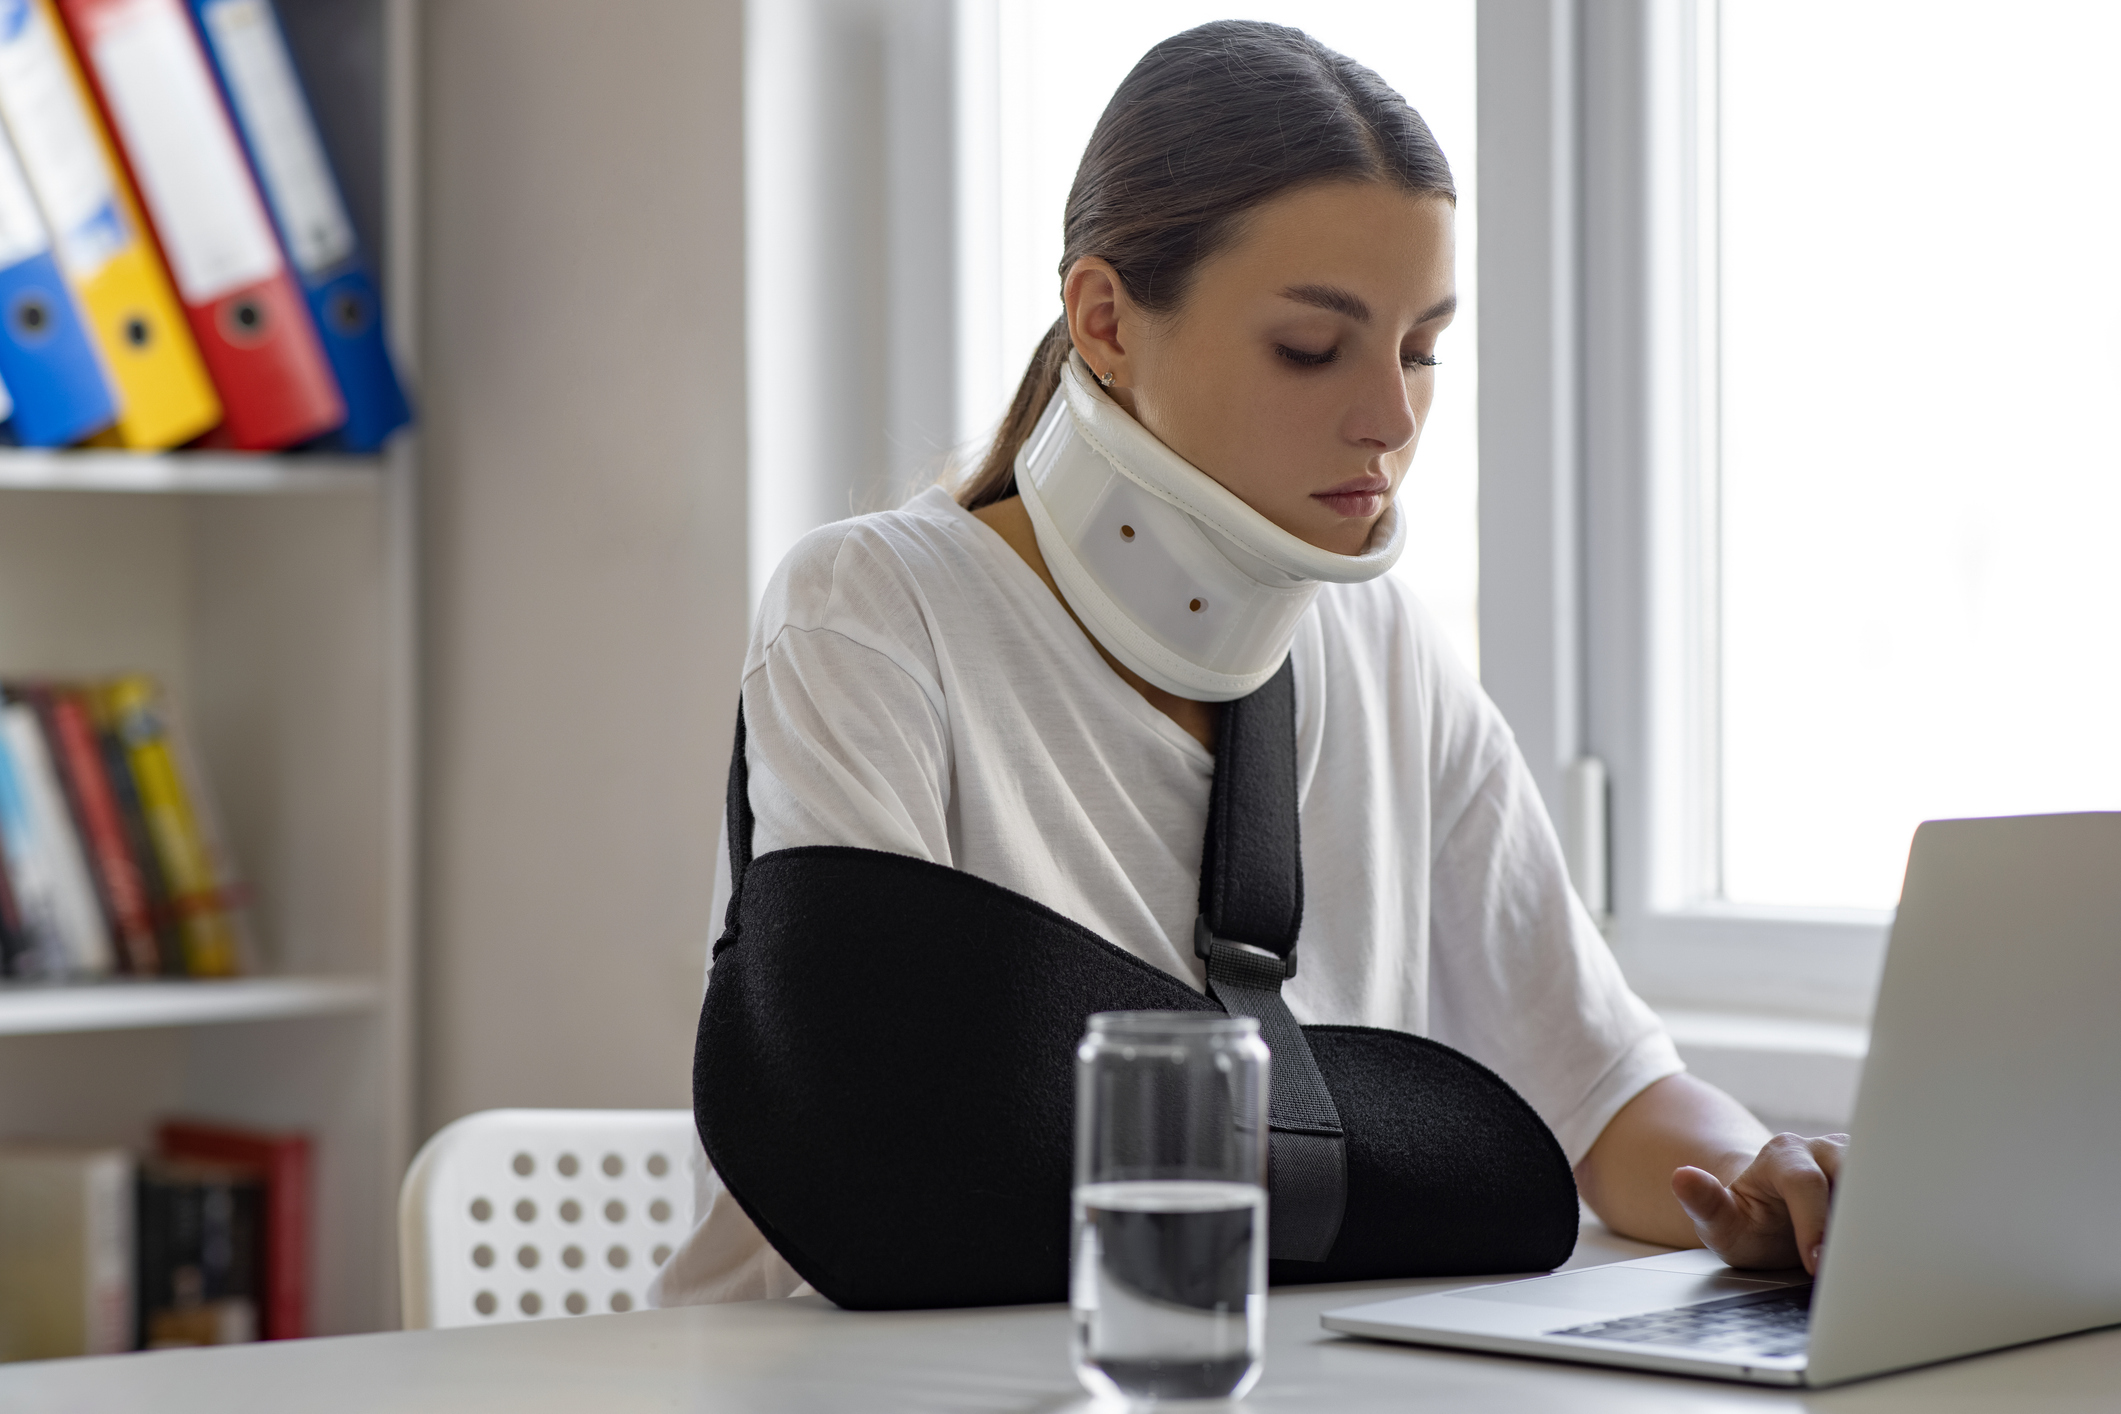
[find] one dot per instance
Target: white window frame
(1598, 479)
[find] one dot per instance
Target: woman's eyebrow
(1331, 297)
(1347, 302)
(1447, 305)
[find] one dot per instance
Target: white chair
(518, 1215)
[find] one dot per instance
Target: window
(1831, 292)
(1054, 70)
(1920, 470)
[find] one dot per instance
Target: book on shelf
(111, 860)
(281, 1158)
(200, 1265)
(64, 928)
(121, 887)
(66, 1251)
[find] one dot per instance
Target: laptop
(1979, 1204)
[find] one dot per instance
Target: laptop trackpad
(1618, 1290)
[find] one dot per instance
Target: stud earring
(1104, 380)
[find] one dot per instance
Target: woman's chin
(1340, 537)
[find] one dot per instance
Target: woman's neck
(1012, 522)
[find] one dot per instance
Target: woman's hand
(1684, 1164)
(1774, 1213)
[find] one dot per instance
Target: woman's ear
(1097, 308)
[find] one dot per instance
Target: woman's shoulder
(872, 575)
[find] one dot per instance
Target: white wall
(583, 413)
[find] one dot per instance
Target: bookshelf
(126, 1004)
(23, 469)
(275, 595)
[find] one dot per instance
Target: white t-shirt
(913, 686)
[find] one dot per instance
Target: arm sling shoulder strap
(884, 1074)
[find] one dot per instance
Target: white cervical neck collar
(1170, 571)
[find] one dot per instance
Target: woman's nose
(1383, 415)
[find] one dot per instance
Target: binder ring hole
(348, 313)
(31, 316)
(243, 320)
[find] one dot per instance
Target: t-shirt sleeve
(1521, 979)
(845, 743)
(1524, 983)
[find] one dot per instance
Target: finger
(1828, 1151)
(1789, 1169)
(1746, 1229)
(1704, 1198)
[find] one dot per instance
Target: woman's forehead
(1364, 250)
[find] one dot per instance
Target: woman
(1257, 276)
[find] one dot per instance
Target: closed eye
(1307, 360)
(1419, 360)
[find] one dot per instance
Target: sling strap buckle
(1241, 958)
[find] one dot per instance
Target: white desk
(795, 1357)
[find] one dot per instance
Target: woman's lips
(1360, 499)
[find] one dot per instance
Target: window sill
(1801, 964)
(1794, 1073)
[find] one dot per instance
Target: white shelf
(31, 469)
(32, 1009)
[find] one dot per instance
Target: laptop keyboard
(1769, 1323)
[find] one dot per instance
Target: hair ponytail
(996, 478)
(1209, 125)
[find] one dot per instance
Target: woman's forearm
(1627, 1176)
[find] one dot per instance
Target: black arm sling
(884, 1077)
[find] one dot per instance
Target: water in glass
(1167, 1302)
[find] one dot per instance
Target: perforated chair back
(517, 1215)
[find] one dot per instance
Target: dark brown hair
(1210, 125)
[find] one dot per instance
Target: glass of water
(1169, 1263)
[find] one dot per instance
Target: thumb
(1704, 1198)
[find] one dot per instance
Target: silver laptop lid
(1981, 1201)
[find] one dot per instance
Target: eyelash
(1320, 360)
